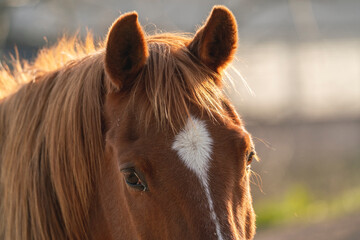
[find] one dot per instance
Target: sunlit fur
(48, 165)
(52, 133)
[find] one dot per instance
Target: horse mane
(51, 142)
(48, 59)
(52, 133)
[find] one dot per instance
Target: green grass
(299, 204)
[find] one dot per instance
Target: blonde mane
(47, 60)
(51, 142)
(51, 127)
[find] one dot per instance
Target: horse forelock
(172, 82)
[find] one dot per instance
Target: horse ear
(215, 42)
(126, 50)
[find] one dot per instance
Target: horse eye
(133, 180)
(250, 157)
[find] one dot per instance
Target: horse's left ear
(126, 50)
(215, 43)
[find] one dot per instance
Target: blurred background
(301, 60)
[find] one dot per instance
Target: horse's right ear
(126, 50)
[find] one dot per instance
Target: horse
(132, 138)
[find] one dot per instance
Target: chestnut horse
(132, 140)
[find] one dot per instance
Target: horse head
(177, 156)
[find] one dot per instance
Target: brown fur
(69, 119)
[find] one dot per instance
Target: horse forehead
(193, 145)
